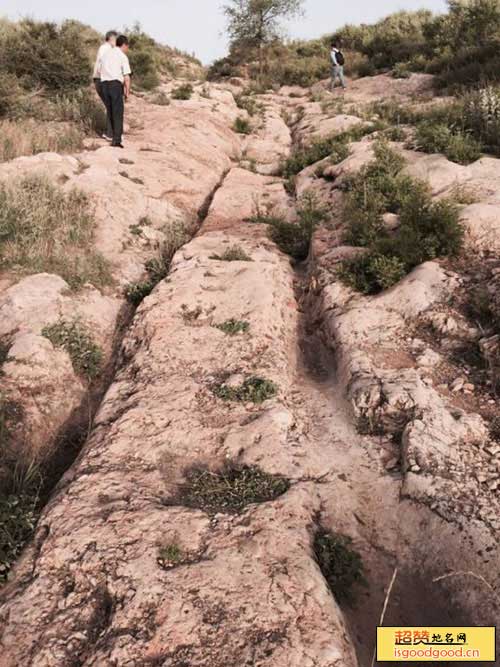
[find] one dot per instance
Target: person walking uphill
(103, 49)
(115, 82)
(337, 66)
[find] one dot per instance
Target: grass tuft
(44, 228)
(234, 253)
(231, 489)
(242, 125)
(253, 390)
(233, 327)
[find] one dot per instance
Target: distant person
(115, 82)
(103, 49)
(337, 66)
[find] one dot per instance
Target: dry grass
(28, 137)
(44, 228)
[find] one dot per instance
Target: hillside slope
(262, 444)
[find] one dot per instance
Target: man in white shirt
(337, 66)
(115, 81)
(103, 49)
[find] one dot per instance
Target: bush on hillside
(457, 146)
(428, 229)
(45, 55)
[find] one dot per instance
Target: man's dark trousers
(98, 87)
(113, 99)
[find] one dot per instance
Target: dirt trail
(93, 589)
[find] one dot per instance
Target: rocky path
(136, 560)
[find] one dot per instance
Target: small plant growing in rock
(190, 315)
(242, 125)
(253, 390)
(137, 228)
(339, 563)
(230, 489)
(170, 555)
(233, 327)
(74, 337)
(234, 253)
(183, 92)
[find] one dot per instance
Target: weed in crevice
(231, 489)
(234, 253)
(136, 229)
(340, 564)
(233, 327)
(19, 495)
(242, 125)
(253, 390)
(134, 179)
(5, 346)
(74, 337)
(294, 238)
(157, 267)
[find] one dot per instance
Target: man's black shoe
(117, 145)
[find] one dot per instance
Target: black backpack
(339, 57)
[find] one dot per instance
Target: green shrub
(428, 229)
(253, 390)
(183, 92)
(233, 327)
(401, 71)
(44, 228)
(46, 55)
(439, 138)
(248, 104)
(234, 253)
(372, 272)
(242, 125)
(321, 149)
(74, 337)
(10, 93)
(340, 564)
(231, 489)
(481, 115)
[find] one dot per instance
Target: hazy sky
(196, 25)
